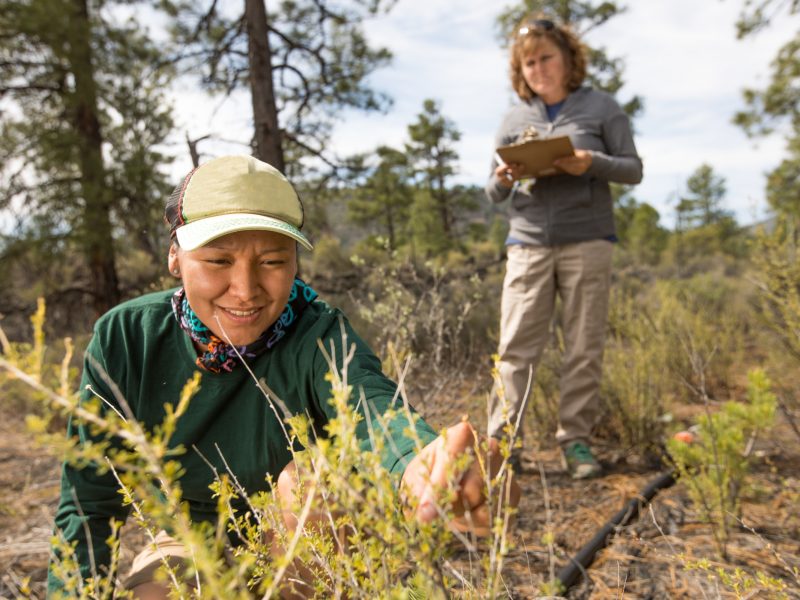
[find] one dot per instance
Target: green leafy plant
(715, 466)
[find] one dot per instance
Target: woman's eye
(217, 261)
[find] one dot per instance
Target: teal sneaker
(579, 460)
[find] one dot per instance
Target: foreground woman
(235, 225)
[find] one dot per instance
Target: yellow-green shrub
(389, 554)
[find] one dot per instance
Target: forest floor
(657, 556)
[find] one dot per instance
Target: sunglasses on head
(543, 24)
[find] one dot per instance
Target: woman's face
(544, 69)
(238, 284)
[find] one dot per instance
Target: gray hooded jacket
(563, 209)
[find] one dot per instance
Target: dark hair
(172, 209)
(528, 34)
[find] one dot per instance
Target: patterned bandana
(220, 355)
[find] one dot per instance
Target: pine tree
(646, 238)
(82, 115)
(303, 61)
(778, 103)
(703, 204)
(703, 225)
(431, 147)
(385, 196)
(638, 228)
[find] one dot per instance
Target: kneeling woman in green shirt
(235, 224)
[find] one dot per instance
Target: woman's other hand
(577, 164)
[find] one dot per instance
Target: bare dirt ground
(651, 558)
(29, 485)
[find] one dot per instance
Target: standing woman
(562, 233)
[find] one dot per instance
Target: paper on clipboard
(537, 155)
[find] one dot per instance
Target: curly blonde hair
(528, 34)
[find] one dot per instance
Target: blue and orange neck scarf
(221, 356)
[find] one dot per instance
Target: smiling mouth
(241, 313)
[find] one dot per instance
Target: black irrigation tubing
(578, 564)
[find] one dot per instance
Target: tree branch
(313, 151)
(28, 88)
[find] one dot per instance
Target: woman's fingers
(508, 174)
(576, 164)
(436, 464)
(431, 470)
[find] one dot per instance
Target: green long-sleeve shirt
(145, 353)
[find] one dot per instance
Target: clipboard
(537, 155)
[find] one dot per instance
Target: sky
(681, 56)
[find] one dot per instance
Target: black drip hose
(578, 564)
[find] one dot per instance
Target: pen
(503, 163)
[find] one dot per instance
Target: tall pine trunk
(265, 113)
(95, 237)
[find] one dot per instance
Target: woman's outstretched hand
(429, 473)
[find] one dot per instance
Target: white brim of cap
(193, 235)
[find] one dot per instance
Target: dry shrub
(636, 387)
(777, 277)
(703, 323)
(425, 313)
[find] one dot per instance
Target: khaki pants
(153, 556)
(580, 274)
(149, 560)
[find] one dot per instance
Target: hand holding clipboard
(537, 156)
